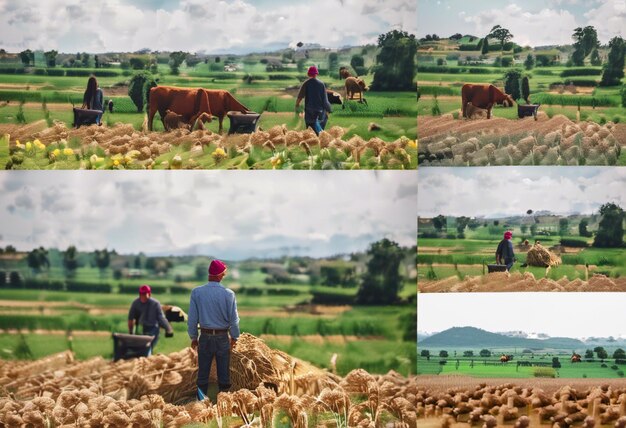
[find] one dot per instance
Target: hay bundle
(540, 256)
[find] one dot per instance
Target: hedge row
(323, 297)
(456, 70)
(572, 100)
(581, 72)
(577, 82)
(580, 243)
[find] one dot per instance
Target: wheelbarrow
(496, 268)
(242, 123)
(524, 110)
(83, 116)
(127, 346)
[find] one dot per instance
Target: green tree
(525, 89)
(425, 353)
(382, 280)
(358, 63)
(468, 353)
(601, 352)
(611, 228)
(85, 59)
(485, 46)
(70, 261)
(443, 354)
(102, 259)
(524, 228)
(502, 34)
(96, 61)
(333, 63)
(27, 57)
(300, 65)
(37, 260)
(582, 227)
(511, 83)
(556, 364)
(176, 59)
(139, 84)
(619, 354)
(485, 353)
(461, 223)
(589, 354)
(585, 41)
(533, 229)
(595, 57)
(51, 58)
(614, 66)
(563, 226)
(440, 222)
(529, 63)
(395, 63)
(137, 63)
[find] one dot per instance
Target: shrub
(620, 373)
(328, 297)
(88, 287)
(56, 72)
(586, 71)
(579, 243)
(544, 372)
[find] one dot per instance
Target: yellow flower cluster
(218, 155)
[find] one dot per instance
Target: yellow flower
(412, 144)
(29, 146)
(18, 144)
(56, 152)
(218, 155)
(276, 161)
(116, 162)
(39, 144)
(68, 152)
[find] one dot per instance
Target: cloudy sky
(218, 213)
(532, 22)
(213, 26)
(556, 314)
(506, 191)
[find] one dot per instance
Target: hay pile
(540, 256)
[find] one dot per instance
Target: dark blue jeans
(217, 346)
(152, 331)
(310, 118)
(509, 263)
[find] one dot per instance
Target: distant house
(230, 67)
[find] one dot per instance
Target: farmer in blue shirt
(316, 105)
(147, 312)
(213, 309)
(504, 252)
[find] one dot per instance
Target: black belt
(213, 331)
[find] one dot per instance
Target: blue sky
(210, 26)
(532, 22)
(511, 190)
(270, 213)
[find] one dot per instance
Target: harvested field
(160, 391)
(512, 282)
(445, 141)
(123, 147)
(455, 401)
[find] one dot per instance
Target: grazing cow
(173, 120)
(354, 86)
(222, 102)
(189, 103)
(344, 73)
(174, 313)
(334, 97)
(483, 96)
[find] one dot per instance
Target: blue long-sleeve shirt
(212, 306)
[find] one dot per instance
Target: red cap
(508, 234)
(312, 71)
(217, 267)
(145, 289)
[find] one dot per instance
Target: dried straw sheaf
(540, 256)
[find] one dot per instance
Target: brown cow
(483, 96)
(189, 103)
(222, 102)
(355, 85)
(173, 120)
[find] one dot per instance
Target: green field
(281, 313)
(541, 365)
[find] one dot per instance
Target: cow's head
(362, 85)
(344, 73)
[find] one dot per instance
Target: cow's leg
(151, 112)
(464, 108)
(221, 119)
(489, 107)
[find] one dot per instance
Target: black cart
(84, 116)
(496, 268)
(243, 123)
(127, 346)
(524, 110)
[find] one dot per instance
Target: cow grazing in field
(334, 97)
(189, 103)
(354, 86)
(222, 102)
(483, 96)
(344, 73)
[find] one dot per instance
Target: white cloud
(160, 212)
(199, 25)
(513, 190)
(608, 18)
(545, 27)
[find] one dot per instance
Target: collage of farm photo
(329, 214)
(521, 254)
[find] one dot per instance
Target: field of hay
(449, 141)
(37, 146)
(455, 402)
(270, 388)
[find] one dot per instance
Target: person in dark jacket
(93, 98)
(147, 312)
(504, 253)
(316, 104)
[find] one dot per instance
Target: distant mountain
(472, 337)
